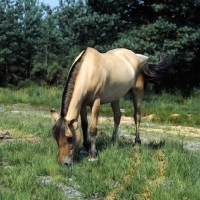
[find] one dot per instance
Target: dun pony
(98, 78)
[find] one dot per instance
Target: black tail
(154, 71)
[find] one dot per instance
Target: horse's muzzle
(68, 161)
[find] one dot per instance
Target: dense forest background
(38, 43)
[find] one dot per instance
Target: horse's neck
(74, 105)
(73, 112)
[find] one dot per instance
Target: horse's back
(120, 59)
(112, 73)
(121, 72)
(108, 75)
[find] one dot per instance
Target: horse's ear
(54, 114)
(70, 130)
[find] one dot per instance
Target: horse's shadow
(101, 144)
(156, 144)
(105, 142)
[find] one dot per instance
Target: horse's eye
(69, 140)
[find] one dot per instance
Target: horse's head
(67, 136)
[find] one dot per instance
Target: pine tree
(48, 61)
(8, 41)
(30, 18)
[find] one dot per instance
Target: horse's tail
(152, 71)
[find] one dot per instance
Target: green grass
(166, 108)
(161, 168)
(40, 96)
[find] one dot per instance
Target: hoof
(136, 146)
(83, 151)
(137, 142)
(92, 159)
(86, 146)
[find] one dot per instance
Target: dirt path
(190, 136)
(176, 130)
(132, 170)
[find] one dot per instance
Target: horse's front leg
(84, 125)
(93, 129)
(117, 118)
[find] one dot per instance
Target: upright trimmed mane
(69, 86)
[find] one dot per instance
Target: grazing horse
(94, 79)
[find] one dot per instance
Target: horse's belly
(113, 92)
(117, 83)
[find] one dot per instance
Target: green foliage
(48, 73)
(164, 108)
(36, 38)
(39, 71)
(33, 95)
(54, 73)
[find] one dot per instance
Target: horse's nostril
(67, 164)
(68, 161)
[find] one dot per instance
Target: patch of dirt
(67, 191)
(192, 146)
(176, 130)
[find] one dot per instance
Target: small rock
(6, 135)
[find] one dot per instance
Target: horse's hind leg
(84, 125)
(93, 128)
(137, 93)
(117, 118)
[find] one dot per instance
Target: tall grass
(34, 95)
(164, 108)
